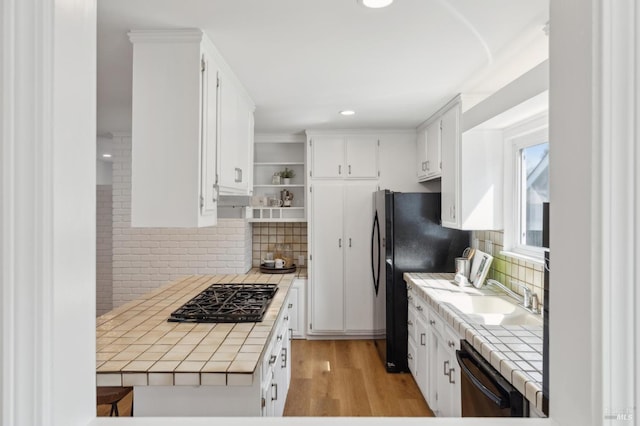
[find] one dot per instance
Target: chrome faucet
(525, 300)
(526, 294)
(507, 290)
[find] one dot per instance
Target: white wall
(146, 258)
(573, 386)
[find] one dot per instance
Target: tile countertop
(514, 350)
(136, 346)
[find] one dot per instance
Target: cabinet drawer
(412, 319)
(411, 298)
(421, 307)
(436, 322)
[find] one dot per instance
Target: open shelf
(272, 154)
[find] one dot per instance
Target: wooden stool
(112, 395)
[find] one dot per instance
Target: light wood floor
(347, 378)
(339, 378)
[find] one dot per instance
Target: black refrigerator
(406, 237)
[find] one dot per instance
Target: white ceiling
(302, 61)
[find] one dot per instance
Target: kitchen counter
(514, 350)
(136, 346)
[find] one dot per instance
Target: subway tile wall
(104, 288)
(147, 258)
(267, 234)
(507, 269)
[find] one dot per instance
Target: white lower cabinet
(297, 311)
(276, 368)
(432, 346)
(341, 292)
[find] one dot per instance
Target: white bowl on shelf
(269, 262)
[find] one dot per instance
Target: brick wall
(146, 258)
(104, 293)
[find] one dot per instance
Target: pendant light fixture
(375, 4)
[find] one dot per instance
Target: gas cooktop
(227, 303)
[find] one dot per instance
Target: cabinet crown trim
(359, 132)
(186, 35)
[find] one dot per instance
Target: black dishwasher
(485, 393)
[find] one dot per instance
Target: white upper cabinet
(236, 139)
(361, 157)
(429, 143)
(343, 156)
(190, 116)
(472, 173)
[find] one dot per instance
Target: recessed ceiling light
(347, 112)
(376, 4)
(106, 155)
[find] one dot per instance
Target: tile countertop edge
(122, 377)
(423, 283)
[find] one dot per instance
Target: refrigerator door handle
(376, 277)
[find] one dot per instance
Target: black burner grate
(227, 303)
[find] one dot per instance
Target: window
(526, 186)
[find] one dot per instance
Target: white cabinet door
(359, 290)
(450, 167)
(297, 308)
(444, 379)
(422, 349)
(327, 157)
(421, 152)
(236, 136)
(209, 137)
(361, 155)
(326, 285)
(443, 401)
(434, 142)
(454, 388)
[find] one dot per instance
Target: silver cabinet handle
(409, 297)
(279, 337)
(286, 318)
(451, 378)
(419, 308)
(275, 385)
(427, 164)
(432, 322)
(451, 344)
(410, 322)
(409, 356)
(238, 177)
(423, 339)
(340, 242)
(339, 169)
(446, 369)
(349, 168)
(290, 305)
(290, 333)
(284, 358)
(272, 359)
(349, 241)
